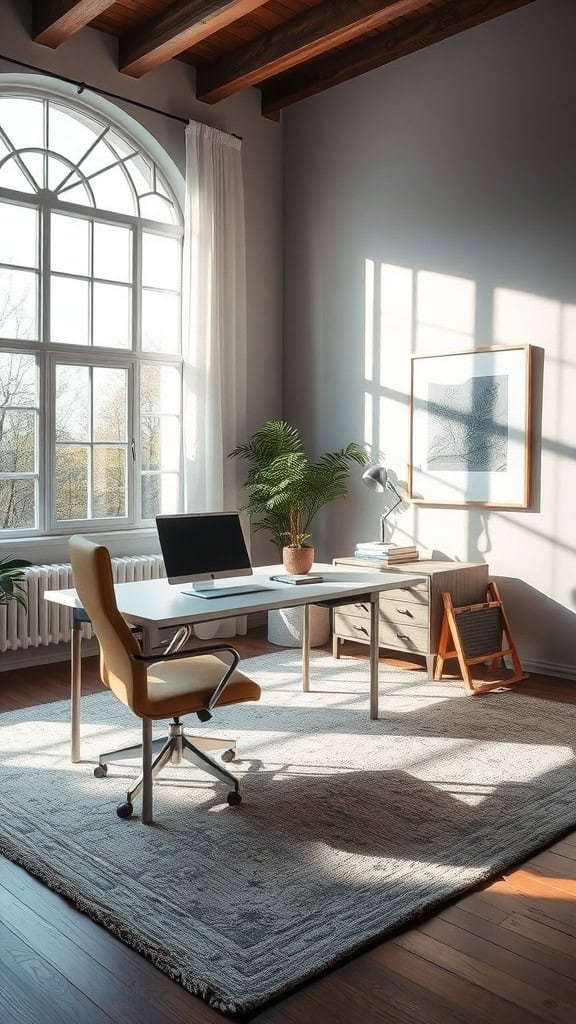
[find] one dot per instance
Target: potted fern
(11, 576)
(285, 489)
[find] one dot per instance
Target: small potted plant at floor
(11, 576)
(285, 489)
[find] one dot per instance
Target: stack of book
(385, 554)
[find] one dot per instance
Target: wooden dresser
(410, 619)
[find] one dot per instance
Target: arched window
(90, 323)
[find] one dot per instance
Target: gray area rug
(349, 828)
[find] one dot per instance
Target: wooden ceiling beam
(182, 25)
(414, 34)
(304, 37)
(56, 20)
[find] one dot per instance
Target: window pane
(110, 404)
(109, 483)
(17, 441)
(72, 403)
(18, 379)
(112, 191)
(71, 482)
(160, 440)
(159, 494)
(35, 164)
(160, 324)
(112, 252)
(17, 504)
(70, 135)
(18, 304)
(112, 315)
(23, 121)
(159, 389)
(69, 311)
(160, 261)
(70, 244)
(150, 495)
(155, 207)
(18, 235)
(141, 172)
(79, 194)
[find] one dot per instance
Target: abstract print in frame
(470, 428)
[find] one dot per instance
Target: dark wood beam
(181, 26)
(415, 34)
(56, 20)
(310, 34)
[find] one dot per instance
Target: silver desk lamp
(377, 479)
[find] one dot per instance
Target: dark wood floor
(505, 954)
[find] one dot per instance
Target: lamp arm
(389, 511)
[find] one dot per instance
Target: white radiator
(46, 623)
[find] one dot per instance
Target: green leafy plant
(285, 490)
(11, 575)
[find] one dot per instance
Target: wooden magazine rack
(479, 634)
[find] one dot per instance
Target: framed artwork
(470, 428)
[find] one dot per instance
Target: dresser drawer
(403, 637)
(353, 627)
(409, 613)
(417, 593)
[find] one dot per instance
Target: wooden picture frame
(470, 428)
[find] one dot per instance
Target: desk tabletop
(157, 602)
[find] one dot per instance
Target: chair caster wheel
(229, 755)
(124, 809)
(101, 771)
(234, 798)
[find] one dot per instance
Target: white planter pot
(285, 626)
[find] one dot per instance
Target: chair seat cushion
(187, 684)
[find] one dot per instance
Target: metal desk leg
(147, 795)
(374, 651)
(306, 649)
(147, 809)
(75, 686)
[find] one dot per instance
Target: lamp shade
(376, 477)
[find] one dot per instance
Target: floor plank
(505, 953)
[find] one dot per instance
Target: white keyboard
(212, 592)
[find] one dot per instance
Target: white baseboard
(546, 668)
(33, 656)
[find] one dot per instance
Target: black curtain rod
(86, 87)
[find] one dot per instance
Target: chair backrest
(94, 585)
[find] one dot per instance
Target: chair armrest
(150, 659)
(196, 653)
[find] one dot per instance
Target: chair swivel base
(172, 750)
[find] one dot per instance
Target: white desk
(155, 604)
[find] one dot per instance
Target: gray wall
(449, 176)
(91, 56)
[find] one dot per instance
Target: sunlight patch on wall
(445, 313)
(524, 318)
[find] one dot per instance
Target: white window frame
(49, 353)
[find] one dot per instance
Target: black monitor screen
(205, 544)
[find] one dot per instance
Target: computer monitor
(200, 547)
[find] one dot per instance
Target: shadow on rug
(348, 828)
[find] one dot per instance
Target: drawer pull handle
(405, 611)
(363, 607)
(402, 636)
(361, 629)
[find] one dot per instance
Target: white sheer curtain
(214, 318)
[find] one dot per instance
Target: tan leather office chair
(156, 687)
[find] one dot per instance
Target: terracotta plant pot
(297, 560)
